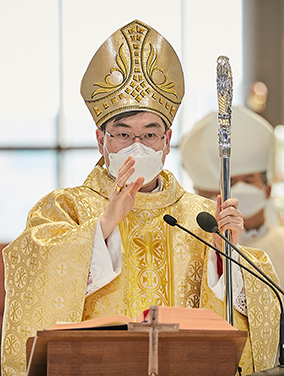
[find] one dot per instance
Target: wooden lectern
(213, 350)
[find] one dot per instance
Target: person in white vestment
(251, 176)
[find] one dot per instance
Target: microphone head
(170, 220)
(207, 222)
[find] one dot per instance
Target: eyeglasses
(125, 139)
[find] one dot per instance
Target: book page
(102, 321)
(191, 318)
(187, 318)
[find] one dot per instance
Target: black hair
(124, 115)
(264, 177)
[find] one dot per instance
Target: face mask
(148, 162)
(251, 199)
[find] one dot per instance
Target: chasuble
(46, 268)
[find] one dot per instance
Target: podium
(196, 352)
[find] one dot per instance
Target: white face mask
(148, 162)
(251, 199)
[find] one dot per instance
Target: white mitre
(193, 159)
(252, 148)
(252, 143)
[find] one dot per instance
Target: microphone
(209, 224)
(173, 222)
(170, 220)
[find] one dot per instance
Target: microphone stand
(276, 371)
(279, 370)
(209, 224)
(173, 222)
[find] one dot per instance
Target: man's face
(252, 179)
(146, 122)
(207, 193)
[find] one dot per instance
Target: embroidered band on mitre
(134, 69)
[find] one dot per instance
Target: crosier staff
(225, 96)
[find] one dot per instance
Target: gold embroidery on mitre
(165, 86)
(135, 79)
(122, 68)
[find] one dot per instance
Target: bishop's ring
(117, 188)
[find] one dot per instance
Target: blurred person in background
(252, 162)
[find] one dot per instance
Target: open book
(187, 318)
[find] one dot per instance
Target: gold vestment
(46, 268)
